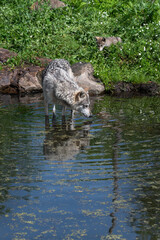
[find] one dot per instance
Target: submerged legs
(46, 105)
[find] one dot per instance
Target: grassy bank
(70, 33)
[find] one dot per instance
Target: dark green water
(99, 180)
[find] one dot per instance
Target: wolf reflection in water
(63, 142)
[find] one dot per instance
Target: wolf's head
(82, 103)
(100, 42)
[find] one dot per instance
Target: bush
(70, 32)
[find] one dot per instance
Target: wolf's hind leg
(46, 107)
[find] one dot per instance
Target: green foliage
(70, 32)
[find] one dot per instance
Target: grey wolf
(60, 88)
(107, 41)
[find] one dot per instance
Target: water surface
(96, 179)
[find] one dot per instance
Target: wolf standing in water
(107, 41)
(60, 88)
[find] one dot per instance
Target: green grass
(70, 32)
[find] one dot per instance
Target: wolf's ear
(98, 38)
(103, 39)
(79, 96)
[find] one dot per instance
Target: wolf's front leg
(63, 110)
(72, 125)
(54, 109)
(54, 115)
(72, 114)
(47, 122)
(46, 107)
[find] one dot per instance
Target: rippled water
(97, 179)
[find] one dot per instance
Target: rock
(7, 81)
(5, 55)
(21, 80)
(29, 81)
(125, 89)
(28, 78)
(150, 88)
(83, 73)
(52, 3)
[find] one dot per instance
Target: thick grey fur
(60, 88)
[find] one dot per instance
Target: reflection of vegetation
(10, 118)
(136, 110)
(138, 121)
(136, 118)
(147, 195)
(108, 182)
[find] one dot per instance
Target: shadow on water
(80, 180)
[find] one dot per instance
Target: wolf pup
(60, 88)
(107, 41)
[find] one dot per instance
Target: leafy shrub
(70, 32)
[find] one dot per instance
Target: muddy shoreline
(124, 89)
